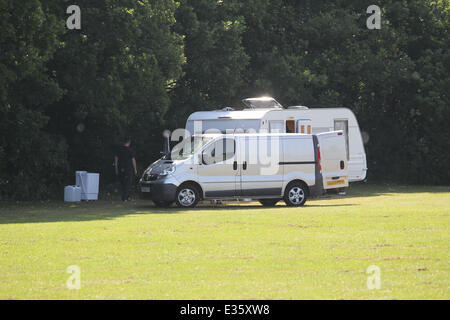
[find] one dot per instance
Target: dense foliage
(138, 67)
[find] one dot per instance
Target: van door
(260, 169)
(333, 159)
(218, 173)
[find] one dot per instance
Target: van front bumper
(158, 190)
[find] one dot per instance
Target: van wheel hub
(186, 197)
(296, 195)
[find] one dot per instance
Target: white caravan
(265, 167)
(267, 115)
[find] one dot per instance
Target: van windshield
(189, 147)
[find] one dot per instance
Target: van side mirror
(200, 158)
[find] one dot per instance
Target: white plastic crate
(88, 182)
(72, 194)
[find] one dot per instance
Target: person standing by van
(125, 167)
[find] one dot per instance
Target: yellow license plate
(335, 182)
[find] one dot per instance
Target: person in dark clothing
(125, 166)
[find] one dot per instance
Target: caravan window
(276, 126)
(304, 126)
(343, 125)
(290, 126)
(223, 125)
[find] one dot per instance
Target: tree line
(67, 97)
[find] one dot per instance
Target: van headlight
(167, 171)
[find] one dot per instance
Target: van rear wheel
(269, 202)
(295, 194)
(187, 196)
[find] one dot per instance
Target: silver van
(264, 167)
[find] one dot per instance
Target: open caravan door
(333, 159)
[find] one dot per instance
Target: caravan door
(333, 159)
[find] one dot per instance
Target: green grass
(320, 251)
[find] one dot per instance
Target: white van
(267, 115)
(264, 167)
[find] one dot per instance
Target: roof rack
(298, 107)
(262, 103)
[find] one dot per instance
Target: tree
(214, 74)
(67, 96)
(32, 162)
(116, 72)
(322, 55)
(138, 67)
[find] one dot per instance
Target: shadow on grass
(42, 212)
(102, 210)
(362, 189)
(238, 207)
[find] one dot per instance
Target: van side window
(220, 151)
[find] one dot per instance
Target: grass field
(320, 251)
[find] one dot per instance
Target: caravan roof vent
(228, 109)
(298, 107)
(262, 103)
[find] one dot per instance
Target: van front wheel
(295, 194)
(187, 196)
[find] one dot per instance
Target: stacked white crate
(88, 182)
